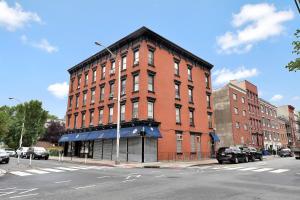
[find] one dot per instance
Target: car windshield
(230, 150)
(39, 149)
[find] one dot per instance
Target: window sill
(151, 65)
(135, 65)
(149, 91)
(178, 123)
(135, 92)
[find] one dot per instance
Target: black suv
(252, 153)
(231, 154)
(37, 152)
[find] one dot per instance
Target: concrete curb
(2, 172)
(80, 162)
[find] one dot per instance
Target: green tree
(295, 65)
(4, 122)
(35, 118)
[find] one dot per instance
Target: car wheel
(246, 159)
(253, 158)
(261, 158)
(7, 161)
(46, 158)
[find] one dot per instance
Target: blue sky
(243, 39)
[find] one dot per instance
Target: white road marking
(66, 168)
(51, 170)
(248, 168)
(138, 176)
(279, 171)
(30, 190)
(36, 171)
(263, 169)
(159, 176)
(233, 168)
(5, 193)
(101, 177)
(204, 167)
(128, 177)
(83, 187)
(129, 180)
(19, 173)
(66, 181)
(217, 168)
(7, 188)
(26, 195)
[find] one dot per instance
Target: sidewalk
(136, 165)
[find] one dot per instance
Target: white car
(10, 152)
(4, 157)
(22, 152)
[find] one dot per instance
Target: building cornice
(142, 33)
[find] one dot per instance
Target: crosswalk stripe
(19, 173)
(232, 168)
(81, 167)
(248, 168)
(279, 171)
(262, 169)
(36, 171)
(66, 168)
(51, 170)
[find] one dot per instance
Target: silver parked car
(4, 157)
(10, 152)
(22, 152)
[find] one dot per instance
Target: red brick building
(287, 112)
(166, 110)
(237, 114)
(270, 126)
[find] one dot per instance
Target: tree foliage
(35, 118)
(53, 131)
(295, 65)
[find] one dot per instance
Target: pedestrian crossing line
(278, 171)
(51, 170)
(19, 173)
(263, 169)
(67, 168)
(36, 171)
(232, 168)
(248, 169)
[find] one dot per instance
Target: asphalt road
(271, 179)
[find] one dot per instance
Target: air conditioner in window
(112, 71)
(135, 116)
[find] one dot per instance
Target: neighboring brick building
(287, 112)
(166, 110)
(237, 114)
(270, 126)
(283, 131)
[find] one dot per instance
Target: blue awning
(74, 137)
(152, 132)
(214, 136)
(112, 133)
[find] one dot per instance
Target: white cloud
(60, 90)
(276, 97)
(254, 23)
(225, 75)
(296, 98)
(12, 18)
(43, 44)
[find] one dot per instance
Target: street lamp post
(117, 161)
(23, 124)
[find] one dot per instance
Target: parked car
(285, 153)
(10, 152)
(22, 152)
(231, 154)
(252, 153)
(4, 157)
(38, 153)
